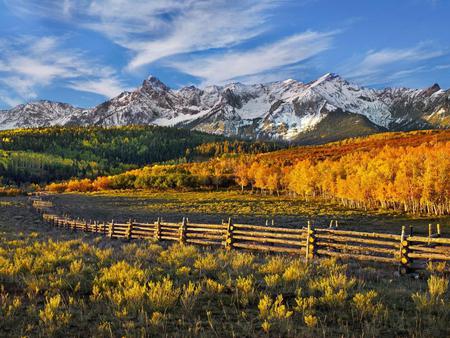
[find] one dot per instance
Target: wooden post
(158, 229)
(310, 243)
(430, 232)
(129, 229)
(111, 229)
(335, 226)
(438, 230)
(182, 231)
(86, 226)
(229, 235)
(404, 250)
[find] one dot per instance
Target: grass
(57, 283)
(215, 206)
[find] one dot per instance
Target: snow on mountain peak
(326, 78)
(279, 110)
(153, 82)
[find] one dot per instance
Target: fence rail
(409, 252)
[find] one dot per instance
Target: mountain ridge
(286, 110)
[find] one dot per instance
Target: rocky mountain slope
(326, 109)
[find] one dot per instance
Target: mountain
(39, 114)
(326, 109)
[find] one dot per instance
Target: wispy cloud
(27, 64)
(10, 101)
(390, 63)
(232, 65)
(155, 29)
(107, 87)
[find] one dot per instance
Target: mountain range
(326, 109)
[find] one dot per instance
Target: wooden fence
(409, 252)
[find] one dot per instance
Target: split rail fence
(408, 251)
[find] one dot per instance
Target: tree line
(42, 155)
(414, 178)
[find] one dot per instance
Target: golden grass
(57, 283)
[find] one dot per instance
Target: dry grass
(54, 283)
(215, 206)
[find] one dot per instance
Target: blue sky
(84, 52)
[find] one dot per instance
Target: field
(246, 208)
(55, 282)
(60, 283)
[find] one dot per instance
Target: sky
(84, 52)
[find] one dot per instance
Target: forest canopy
(43, 155)
(408, 171)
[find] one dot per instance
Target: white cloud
(225, 67)
(27, 64)
(377, 66)
(108, 87)
(155, 29)
(10, 101)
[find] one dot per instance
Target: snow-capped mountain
(324, 109)
(39, 114)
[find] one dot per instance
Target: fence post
(438, 229)
(111, 229)
(229, 235)
(310, 243)
(430, 233)
(129, 229)
(404, 250)
(158, 229)
(182, 230)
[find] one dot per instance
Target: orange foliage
(408, 171)
(83, 185)
(101, 183)
(56, 187)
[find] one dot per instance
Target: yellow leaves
(366, 305)
(311, 321)
(245, 289)
(206, 263)
(273, 312)
(54, 315)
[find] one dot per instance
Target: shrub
(56, 187)
(214, 287)
(53, 316)
(366, 306)
(311, 321)
(433, 300)
(207, 263)
(272, 281)
(190, 295)
(245, 289)
(162, 295)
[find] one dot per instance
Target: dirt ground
(207, 208)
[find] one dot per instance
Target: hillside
(47, 154)
(401, 171)
(336, 150)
